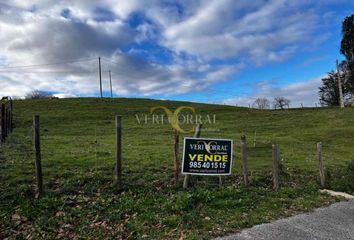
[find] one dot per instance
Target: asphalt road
(334, 222)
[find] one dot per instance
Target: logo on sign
(207, 156)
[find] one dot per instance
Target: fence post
(11, 115)
(255, 139)
(244, 165)
(7, 111)
(2, 123)
(275, 155)
(321, 164)
(187, 176)
(5, 122)
(220, 181)
(176, 151)
(37, 146)
(119, 152)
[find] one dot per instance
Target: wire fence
(81, 155)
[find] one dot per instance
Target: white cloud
(300, 93)
(265, 33)
(64, 95)
(192, 33)
(33, 34)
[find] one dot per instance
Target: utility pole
(110, 82)
(100, 73)
(340, 87)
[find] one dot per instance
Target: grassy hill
(78, 140)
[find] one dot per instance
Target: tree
(281, 102)
(36, 94)
(346, 78)
(347, 49)
(329, 91)
(261, 103)
(347, 43)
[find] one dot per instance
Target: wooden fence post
(176, 151)
(11, 115)
(321, 165)
(2, 137)
(275, 155)
(37, 146)
(244, 165)
(187, 176)
(255, 139)
(220, 181)
(5, 122)
(119, 152)
(7, 111)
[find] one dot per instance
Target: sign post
(196, 135)
(205, 156)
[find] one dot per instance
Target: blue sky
(217, 51)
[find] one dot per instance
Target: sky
(212, 51)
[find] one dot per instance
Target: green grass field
(78, 156)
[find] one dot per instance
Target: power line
(47, 64)
(131, 76)
(230, 93)
(19, 71)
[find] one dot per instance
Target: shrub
(36, 94)
(343, 179)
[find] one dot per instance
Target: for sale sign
(204, 156)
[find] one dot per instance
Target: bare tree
(281, 102)
(261, 103)
(36, 94)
